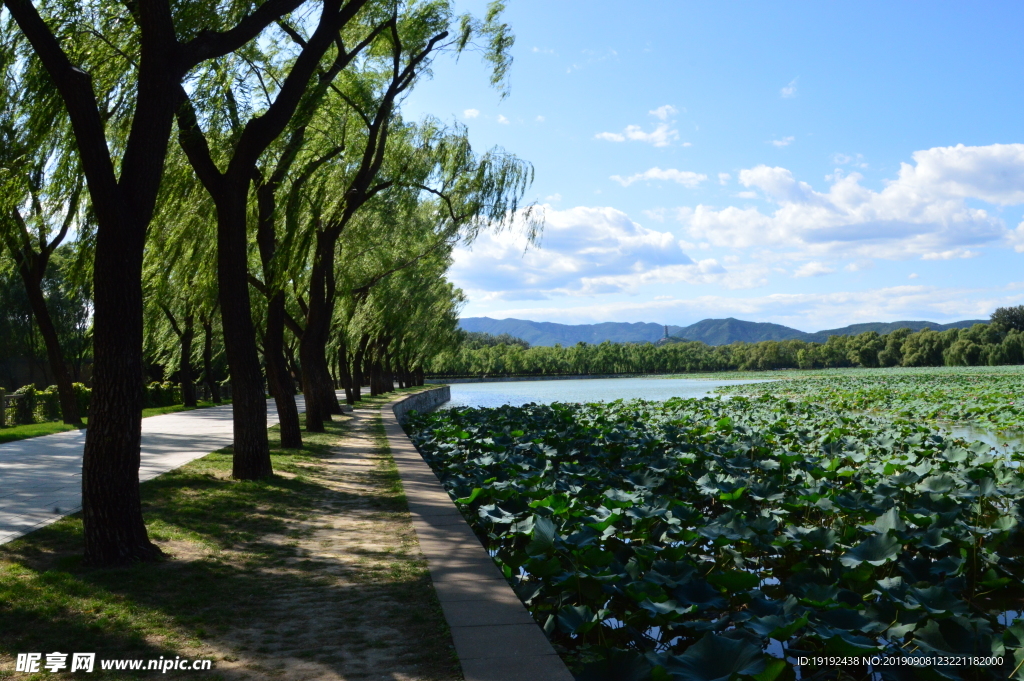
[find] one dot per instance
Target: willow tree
(146, 51)
(468, 192)
(180, 283)
(40, 191)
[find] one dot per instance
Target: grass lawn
(12, 433)
(313, 573)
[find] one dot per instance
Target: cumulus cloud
(813, 269)
(784, 142)
(789, 91)
(585, 251)
(471, 113)
(723, 178)
(923, 213)
(501, 119)
(684, 177)
(951, 254)
(662, 136)
(664, 112)
(994, 173)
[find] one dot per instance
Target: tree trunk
(188, 384)
(251, 458)
(211, 382)
(358, 376)
(344, 371)
(115, 533)
(282, 385)
(319, 389)
(66, 392)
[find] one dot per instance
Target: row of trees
(238, 182)
(982, 344)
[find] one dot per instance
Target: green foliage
(84, 396)
(475, 340)
(990, 397)
(25, 407)
(982, 344)
(48, 404)
(1009, 317)
(162, 395)
(675, 540)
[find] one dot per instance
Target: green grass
(227, 565)
(13, 433)
(158, 411)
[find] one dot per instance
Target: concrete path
(41, 478)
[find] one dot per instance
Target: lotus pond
(716, 539)
(992, 397)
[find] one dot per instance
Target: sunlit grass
(24, 432)
(227, 560)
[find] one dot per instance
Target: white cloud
(844, 159)
(501, 119)
(912, 275)
(922, 213)
(746, 195)
(661, 136)
(994, 173)
(952, 254)
(723, 178)
(784, 142)
(657, 214)
(664, 112)
(539, 119)
(860, 266)
(471, 113)
(813, 269)
(554, 197)
(790, 90)
(586, 251)
(683, 177)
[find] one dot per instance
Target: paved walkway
(41, 478)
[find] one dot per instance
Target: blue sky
(810, 164)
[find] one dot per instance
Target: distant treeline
(999, 342)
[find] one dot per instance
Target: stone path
(41, 478)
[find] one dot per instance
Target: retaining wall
(495, 636)
(428, 400)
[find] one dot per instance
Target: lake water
(518, 393)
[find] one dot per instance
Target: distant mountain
(725, 331)
(549, 333)
(888, 327)
(710, 331)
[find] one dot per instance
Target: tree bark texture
(283, 387)
(208, 377)
(251, 458)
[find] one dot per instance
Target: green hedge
(43, 405)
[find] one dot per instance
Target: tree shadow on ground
(295, 576)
